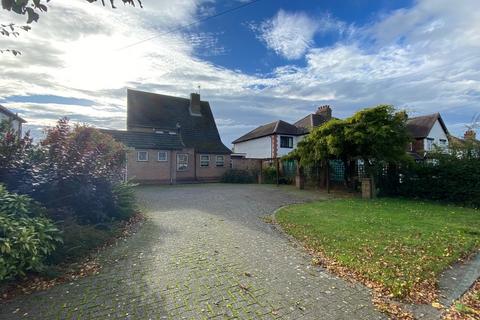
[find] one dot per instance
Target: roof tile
(158, 111)
(276, 127)
(147, 140)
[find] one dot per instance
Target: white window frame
(222, 161)
(430, 142)
(442, 142)
(138, 156)
(162, 152)
(207, 160)
(178, 161)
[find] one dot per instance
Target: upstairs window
(142, 155)
(443, 143)
(162, 156)
(204, 160)
(182, 162)
(286, 142)
(220, 161)
(429, 146)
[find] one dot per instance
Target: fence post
(299, 178)
(368, 188)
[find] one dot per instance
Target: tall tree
(376, 135)
(379, 136)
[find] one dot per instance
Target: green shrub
(26, 238)
(19, 205)
(125, 204)
(269, 175)
(239, 176)
(79, 240)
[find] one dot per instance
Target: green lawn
(397, 243)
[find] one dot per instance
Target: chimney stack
(195, 109)
(325, 112)
(470, 134)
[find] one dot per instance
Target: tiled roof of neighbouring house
(147, 140)
(10, 114)
(419, 127)
(459, 142)
(158, 111)
(311, 121)
(276, 127)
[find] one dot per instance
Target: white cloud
(288, 34)
(425, 58)
(291, 34)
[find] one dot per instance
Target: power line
(193, 23)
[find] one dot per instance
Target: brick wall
(246, 164)
(212, 172)
(165, 172)
(151, 171)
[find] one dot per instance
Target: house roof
(462, 141)
(419, 127)
(145, 109)
(276, 127)
(311, 121)
(10, 114)
(147, 140)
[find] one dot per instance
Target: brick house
(171, 140)
(278, 138)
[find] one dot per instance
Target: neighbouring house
(171, 139)
(278, 138)
(470, 136)
(13, 119)
(428, 132)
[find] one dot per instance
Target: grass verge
(398, 245)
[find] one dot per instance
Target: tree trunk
(300, 179)
(346, 173)
(318, 178)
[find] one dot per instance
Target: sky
(270, 60)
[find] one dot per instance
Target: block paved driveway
(204, 254)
